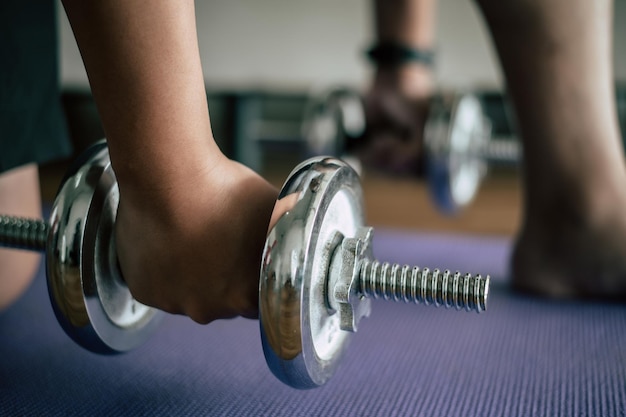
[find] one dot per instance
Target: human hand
(198, 251)
(396, 108)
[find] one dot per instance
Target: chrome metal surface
(22, 233)
(344, 293)
(301, 335)
(457, 139)
(412, 284)
(455, 133)
(502, 151)
(333, 118)
(330, 118)
(88, 294)
(318, 274)
(354, 275)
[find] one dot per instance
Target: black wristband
(395, 54)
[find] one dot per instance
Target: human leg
(396, 103)
(556, 58)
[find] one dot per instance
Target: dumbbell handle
(425, 286)
(22, 233)
(375, 279)
(354, 275)
(505, 151)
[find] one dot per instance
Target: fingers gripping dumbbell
(316, 277)
(457, 140)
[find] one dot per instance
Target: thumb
(281, 207)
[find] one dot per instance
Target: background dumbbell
(317, 273)
(457, 140)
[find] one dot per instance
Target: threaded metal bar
(503, 151)
(412, 284)
(22, 233)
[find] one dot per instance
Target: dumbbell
(457, 140)
(87, 292)
(316, 278)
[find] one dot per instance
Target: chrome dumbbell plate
(301, 335)
(89, 297)
(456, 132)
(331, 120)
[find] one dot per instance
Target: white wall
(300, 43)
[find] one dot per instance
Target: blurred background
(264, 59)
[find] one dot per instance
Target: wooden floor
(401, 203)
(406, 204)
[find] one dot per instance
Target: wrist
(156, 181)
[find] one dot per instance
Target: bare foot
(573, 257)
(559, 78)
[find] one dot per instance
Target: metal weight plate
(89, 297)
(455, 134)
(333, 123)
(300, 332)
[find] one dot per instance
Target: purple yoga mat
(523, 357)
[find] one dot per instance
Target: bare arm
(191, 224)
(144, 70)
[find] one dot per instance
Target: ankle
(414, 81)
(591, 208)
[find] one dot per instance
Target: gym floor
(524, 356)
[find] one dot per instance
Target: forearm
(191, 224)
(145, 73)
